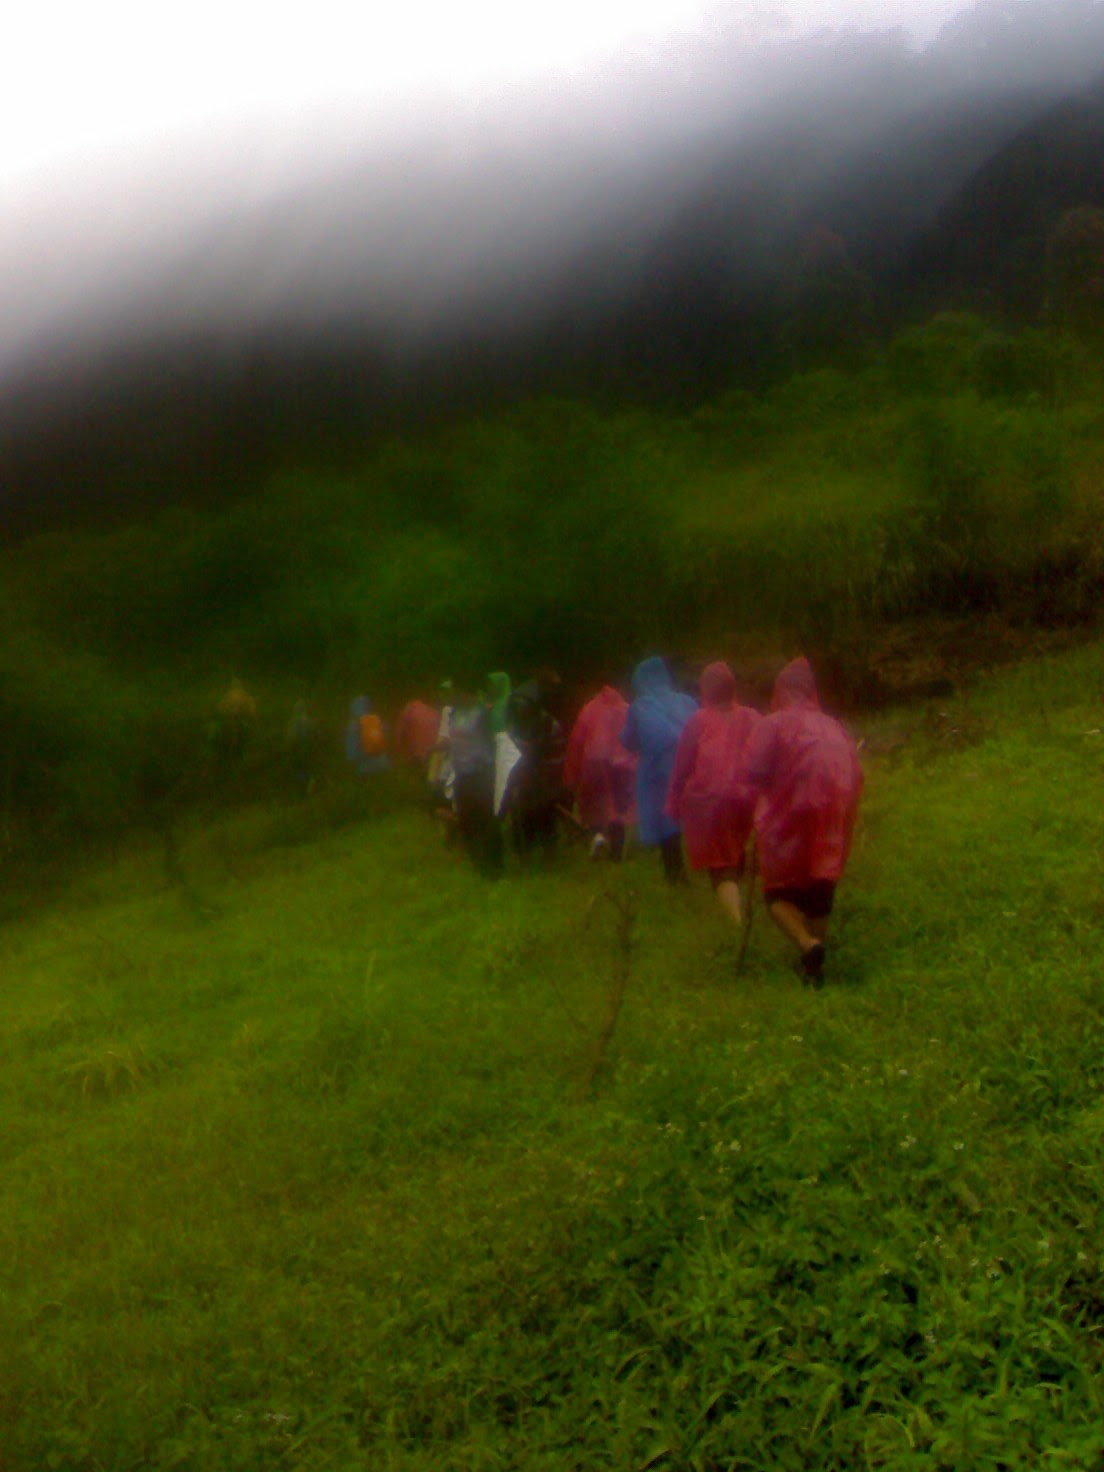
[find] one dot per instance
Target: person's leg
(671, 853)
(817, 902)
(726, 887)
(616, 840)
(788, 912)
(728, 892)
(793, 923)
(493, 863)
(546, 834)
(492, 846)
(467, 817)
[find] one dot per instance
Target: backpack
(372, 739)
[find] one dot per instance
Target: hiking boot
(812, 965)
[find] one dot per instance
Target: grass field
(312, 1160)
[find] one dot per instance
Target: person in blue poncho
(652, 728)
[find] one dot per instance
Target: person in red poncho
(415, 733)
(805, 768)
(709, 796)
(600, 772)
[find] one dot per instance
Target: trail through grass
(298, 1171)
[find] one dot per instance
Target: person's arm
(576, 746)
(686, 757)
(761, 755)
(630, 733)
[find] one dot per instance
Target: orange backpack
(372, 740)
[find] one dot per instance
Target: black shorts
(733, 872)
(813, 900)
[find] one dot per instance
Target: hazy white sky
(82, 76)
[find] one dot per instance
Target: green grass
(301, 1167)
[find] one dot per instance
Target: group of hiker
(711, 776)
(706, 779)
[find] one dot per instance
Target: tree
(1075, 269)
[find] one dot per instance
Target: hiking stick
(753, 874)
(576, 828)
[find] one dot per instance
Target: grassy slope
(298, 1171)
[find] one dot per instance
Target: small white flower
(908, 1142)
(960, 1144)
(902, 1073)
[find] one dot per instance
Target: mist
(658, 191)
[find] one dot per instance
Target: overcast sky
(228, 165)
(82, 77)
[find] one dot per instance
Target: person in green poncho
(496, 699)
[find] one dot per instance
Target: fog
(549, 183)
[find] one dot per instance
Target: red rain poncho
(806, 769)
(416, 731)
(709, 796)
(597, 768)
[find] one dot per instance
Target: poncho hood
(796, 687)
(652, 677)
(717, 684)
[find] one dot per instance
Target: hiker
(652, 727)
(806, 770)
(709, 796)
(601, 773)
(365, 739)
(472, 754)
(302, 747)
(415, 733)
(439, 773)
(536, 782)
(235, 717)
(495, 698)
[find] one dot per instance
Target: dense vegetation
(958, 470)
(310, 1160)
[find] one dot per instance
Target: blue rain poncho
(652, 728)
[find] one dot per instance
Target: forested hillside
(957, 473)
(726, 215)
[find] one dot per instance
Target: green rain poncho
(497, 700)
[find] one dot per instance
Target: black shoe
(812, 965)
